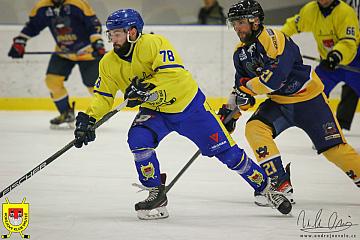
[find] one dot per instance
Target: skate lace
(275, 197)
(153, 192)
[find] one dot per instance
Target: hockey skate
(154, 206)
(275, 198)
(284, 187)
(66, 120)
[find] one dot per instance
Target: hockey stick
(42, 165)
(43, 53)
(198, 152)
(345, 67)
(47, 52)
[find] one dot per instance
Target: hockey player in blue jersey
(268, 62)
(77, 32)
(151, 74)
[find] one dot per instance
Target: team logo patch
(148, 171)
(256, 177)
(15, 217)
(242, 55)
(251, 49)
(215, 137)
(328, 44)
(330, 131)
(262, 152)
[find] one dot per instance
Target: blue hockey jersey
(74, 26)
(274, 64)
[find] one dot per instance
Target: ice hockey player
(268, 62)
(151, 74)
(335, 27)
(77, 32)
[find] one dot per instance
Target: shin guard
(237, 160)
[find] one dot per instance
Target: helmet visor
(231, 22)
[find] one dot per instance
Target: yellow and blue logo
(15, 218)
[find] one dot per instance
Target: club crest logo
(15, 218)
(148, 171)
(262, 152)
(256, 177)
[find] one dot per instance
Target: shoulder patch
(273, 42)
(38, 5)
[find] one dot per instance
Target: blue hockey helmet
(125, 18)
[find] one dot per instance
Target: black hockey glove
(244, 98)
(225, 111)
(98, 48)
(17, 49)
(84, 131)
(137, 92)
(332, 60)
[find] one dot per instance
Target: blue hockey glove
(84, 131)
(244, 98)
(17, 49)
(225, 111)
(98, 48)
(138, 92)
(332, 60)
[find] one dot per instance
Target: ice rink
(87, 194)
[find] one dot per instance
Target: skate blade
(261, 201)
(157, 213)
(63, 126)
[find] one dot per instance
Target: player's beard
(122, 50)
(246, 37)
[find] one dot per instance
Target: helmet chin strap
(132, 43)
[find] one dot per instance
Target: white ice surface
(87, 194)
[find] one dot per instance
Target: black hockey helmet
(246, 9)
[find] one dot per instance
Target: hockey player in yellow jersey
(268, 62)
(151, 74)
(335, 27)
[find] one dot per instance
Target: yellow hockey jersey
(337, 31)
(153, 59)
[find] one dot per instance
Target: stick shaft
(345, 67)
(42, 165)
(44, 53)
(194, 157)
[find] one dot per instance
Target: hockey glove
(138, 92)
(17, 49)
(84, 131)
(332, 60)
(225, 111)
(98, 48)
(244, 98)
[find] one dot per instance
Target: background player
(76, 30)
(335, 28)
(150, 73)
(268, 62)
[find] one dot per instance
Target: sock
(274, 168)
(147, 166)
(62, 104)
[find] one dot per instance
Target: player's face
(325, 3)
(118, 37)
(243, 29)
